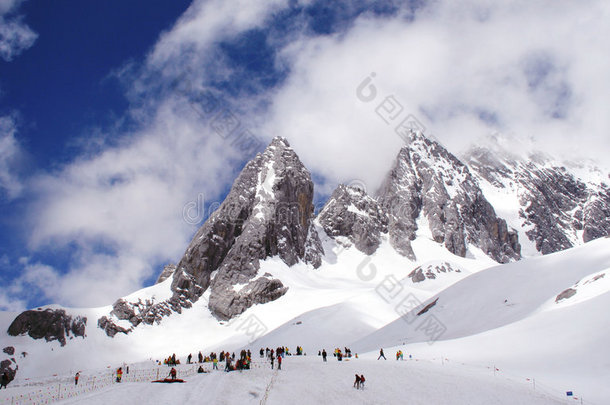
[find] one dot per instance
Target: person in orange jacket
(119, 374)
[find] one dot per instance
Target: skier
(279, 362)
(119, 374)
(76, 378)
(173, 373)
(324, 355)
(4, 380)
(357, 382)
(381, 355)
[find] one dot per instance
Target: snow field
(307, 380)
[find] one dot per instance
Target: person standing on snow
(279, 362)
(173, 373)
(323, 354)
(214, 363)
(76, 377)
(357, 382)
(119, 374)
(272, 359)
(381, 355)
(362, 381)
(189, 358)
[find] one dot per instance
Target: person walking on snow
(76, 378)
(362, 381)
(323, 354)
(119, 374)
(357, 382)
(381, 355)
(272, 359)
(279, 362)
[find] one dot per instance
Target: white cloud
(10, 155)
(534, 69)
(15, 35)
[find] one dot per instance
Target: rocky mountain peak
(560, 204)
(268, 212)
(428, 180)
(353, 214)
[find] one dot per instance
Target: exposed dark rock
(167, 272)
(351, 213)
(10, 350)
(9, 367)
(431, 271)
(48, 324)
(110, 327)
(556, 206)
(427, 179)
(565, 294)
(427, 307)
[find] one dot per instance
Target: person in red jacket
(279, 362)
(173, 373)
(119, 374)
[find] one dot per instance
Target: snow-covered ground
(307, 380)
(506, 317)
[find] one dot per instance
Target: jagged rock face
(167, 272)
(557, 208)
(277, 222)
(428, 180)
(350, 212)
(431, 271)
(268, 212)
(596, 214)
(48, 324)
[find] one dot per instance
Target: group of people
(172, 361)
(359, 383)
(243, 363)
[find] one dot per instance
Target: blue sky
(109, 112)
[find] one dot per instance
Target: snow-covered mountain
(445, 237)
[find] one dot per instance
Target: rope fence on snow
(65, 388)
(533, 382)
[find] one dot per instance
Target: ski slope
(307, 380)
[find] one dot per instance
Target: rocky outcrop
(351, 213)
(570, 292)
(167, 272)
(49, 324)
(431, 271)
(428, 180)
(558, 209)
